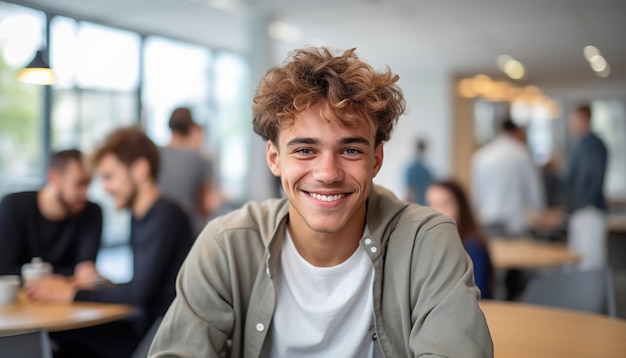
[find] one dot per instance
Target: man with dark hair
(339, 267)
(194, 191)
(128, 164)
(56, 223)
(584, 185)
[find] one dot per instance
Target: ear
(378, 158)
(53, 175)
(140, 169)
(273, 158)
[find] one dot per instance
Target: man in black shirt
(56, 223)
(161, 236)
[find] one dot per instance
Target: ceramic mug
(8, 288)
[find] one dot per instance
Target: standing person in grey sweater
(339, 267)
(186, 174)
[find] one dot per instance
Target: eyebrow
(313, 141)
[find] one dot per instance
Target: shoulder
(167, 208)
(19, 200)
(92, 209)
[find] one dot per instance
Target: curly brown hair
(129, 144)
(315, 78)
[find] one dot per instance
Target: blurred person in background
(448, 197)
(418, 175)
(584, 185)
(186, 174)
(57, 223)
(507, 192)
(128, 164)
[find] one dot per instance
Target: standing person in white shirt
(507, 192)
(507, 189)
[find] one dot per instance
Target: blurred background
(463, 65)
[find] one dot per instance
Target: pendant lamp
(38, 72)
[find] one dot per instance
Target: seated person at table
(56, 223)
(128, 164)
(340, 267)
(449, 198)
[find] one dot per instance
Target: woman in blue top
(449, 198)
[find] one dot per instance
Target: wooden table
(521, 330)
(526, 253)
(25, 315)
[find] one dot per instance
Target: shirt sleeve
(201, 319)
(90, 234)
(10, 246)
(152, 254)
(447, 321)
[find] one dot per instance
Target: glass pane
(21, 149)
(232, 124)
(609, 123)
(64, 50)
(106, 58)
(176, 74)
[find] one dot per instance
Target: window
(21, 105)
(176, 74)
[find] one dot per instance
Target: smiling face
(117, 181)
(326, 172)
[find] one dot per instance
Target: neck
(326, 249)
(178, 141)
(49, 204)
(147, 194)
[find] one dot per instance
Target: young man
(340, 268)
(56, 223)
(128, 164)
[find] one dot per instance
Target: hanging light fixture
(37, 72)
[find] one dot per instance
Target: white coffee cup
(8, 288)
(36, 269)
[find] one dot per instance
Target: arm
(201, 318)
(10, 241)
(153, 256)
(447, 320)
(90, 234)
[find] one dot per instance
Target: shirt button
(260, 327)
(373, 249)
(368, 241)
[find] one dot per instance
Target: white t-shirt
(322, 311)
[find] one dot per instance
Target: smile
(327, 197)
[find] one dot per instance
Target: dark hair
(467, 225)
(509, 126)
(315, 78)
(128, 145)
(468, 228)
(181, 121)
(585, 110)
(60, 160)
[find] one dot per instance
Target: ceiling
(461, 37)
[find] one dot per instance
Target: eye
(352, 151)
(303, 151)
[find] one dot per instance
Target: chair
(32, 344)
(144, 346)
(589, 291)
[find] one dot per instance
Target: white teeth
(327, 197)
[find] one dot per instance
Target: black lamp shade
(37, 71)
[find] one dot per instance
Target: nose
(328, 169)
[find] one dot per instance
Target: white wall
(429, 115)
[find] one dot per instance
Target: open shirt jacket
(425, 300)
